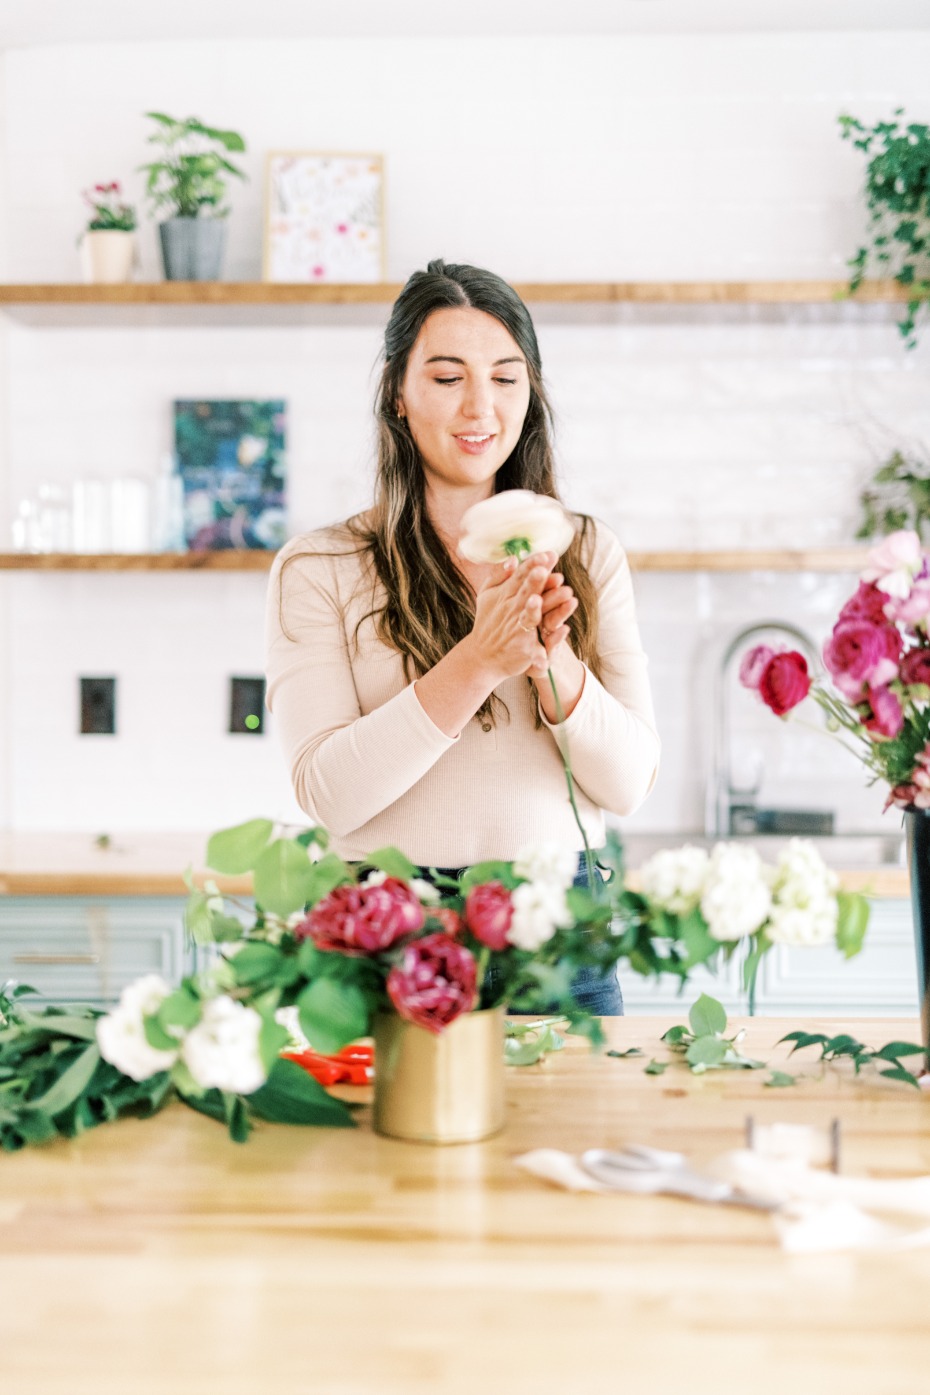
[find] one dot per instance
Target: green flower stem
(563, 752)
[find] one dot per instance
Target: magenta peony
(915, 666)
(488, 913)
(887, 717)
(435, 982)
(784, 682)
(363, 919)
(753, 665)
(867, 604)
(859, 654)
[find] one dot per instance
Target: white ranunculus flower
(221, 1052)
(736, 899)
(813, 924)
(674, 878)
(425, 892)
(515, 513)
(539, 908)
(121, 1034)
(552, 863)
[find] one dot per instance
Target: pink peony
(915, 666)
(859, 654)
(488, 913)
(753, 665)
(913, 609)
(887, 717)
(785, 682)
(867, 604)
(894, 563)
(359, 920)
(434, 983)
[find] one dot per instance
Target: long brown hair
(430, 606)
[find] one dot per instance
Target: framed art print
(231, 456)
(324, 217)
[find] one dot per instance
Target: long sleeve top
(369, 764)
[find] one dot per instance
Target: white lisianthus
(121, 1034)
(551, 863)
(425, 892)
(539, 908)
(736, 899)
(539, 521)
(674, 879)
(221, 1052)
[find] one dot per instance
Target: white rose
(515, 513)
(425, 892)
(674, 878)
(814, 924)
(552, 863)
(121, 1034)
(221, 1052)
(736, 898)
(539, 908)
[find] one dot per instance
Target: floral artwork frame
(324, 217)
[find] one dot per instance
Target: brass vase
(445, 1087)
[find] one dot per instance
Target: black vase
(917, 827)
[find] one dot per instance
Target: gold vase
(445, 1087)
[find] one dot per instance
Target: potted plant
(897, 187)
(108, 243)
(190, 182)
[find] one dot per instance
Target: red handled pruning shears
(353, 1065)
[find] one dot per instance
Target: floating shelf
(836, 559)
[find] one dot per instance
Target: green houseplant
(897, 189)
(108, 243)
(189, 180)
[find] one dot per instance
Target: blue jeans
(597, 993)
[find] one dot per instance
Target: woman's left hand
(559, 603)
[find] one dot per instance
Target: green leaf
(198, 920)
(656, 1067)
(523, 1053)
(291, 1096)
(778, 1079)
(706, 1051)
(852, 923)
(283, 878)
(802, 1040)
(60, 1024)
(325, 876)
(332, 1014)
(70, 1083)
(894, 1049)
(156, 1036)
(622, 1055)
(675, 1036)
(490, 871)
(255, 962)
(899, 1073)
(235, 851)
(707, 1016)
(180, 1009)
(842, 1045)
(272, 1040)
(392, 861)
(699, 943)
(237, 1117)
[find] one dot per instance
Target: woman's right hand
(508, 609)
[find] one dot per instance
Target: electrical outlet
(98, 706)
(247, 706)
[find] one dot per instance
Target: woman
(409, 685)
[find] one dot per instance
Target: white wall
(550, 159)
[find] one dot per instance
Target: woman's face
(465, 395)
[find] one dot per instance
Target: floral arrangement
(190, 178)
(109, 211)
(878, 658)
(329, 944)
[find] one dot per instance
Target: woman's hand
(558, 603)
(505, 638)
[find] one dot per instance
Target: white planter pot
(108, 256)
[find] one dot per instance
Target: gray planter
(192, 248)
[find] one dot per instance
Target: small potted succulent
(189, 181)
(108, 243)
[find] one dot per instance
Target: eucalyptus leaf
(706, 1051)
(707, 1016)
(235, 851)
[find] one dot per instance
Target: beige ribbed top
(369, 764)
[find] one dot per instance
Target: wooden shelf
(836, 559)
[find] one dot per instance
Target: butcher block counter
(157, 1256)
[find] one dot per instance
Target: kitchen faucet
(720, 802)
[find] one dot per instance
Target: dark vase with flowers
(917, 828)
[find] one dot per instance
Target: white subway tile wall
(673, 159)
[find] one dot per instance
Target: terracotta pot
(108, 256)
(445, 1087)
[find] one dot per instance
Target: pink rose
(894, 563)
(867, 604)
(488, 913)
(887, 718)
(915, 666)
(859, 654)
(753, 665)
(359, 920)
(434, 983)
(785, 682)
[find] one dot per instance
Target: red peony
(488, 913)
(785, 682)
(363, 919)
(860, 654)
(867, 604)
(887, 716)
(435, 982)
(915, 666)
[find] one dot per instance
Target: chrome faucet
(720, 801)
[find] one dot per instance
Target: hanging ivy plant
(897, 188)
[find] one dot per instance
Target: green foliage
(844, 1045)
(190, 177)
(897, 189)
(283, 878)
(898, 496)
(332, 1014)
(235, 851)
(525, 1043)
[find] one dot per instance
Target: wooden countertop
(156, 1256)
(153, 864)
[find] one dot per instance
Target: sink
(849, 851)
